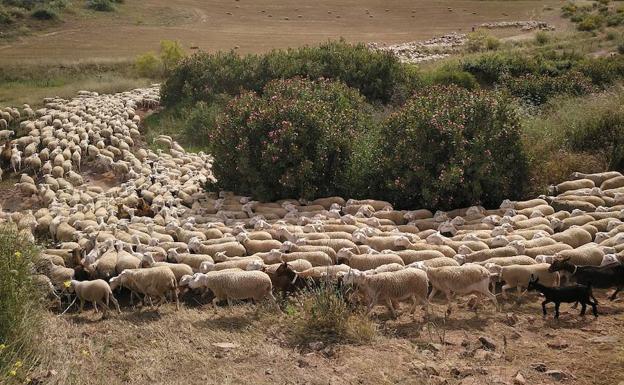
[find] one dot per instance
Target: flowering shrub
(450, 147)
(377, 75)
(294, 140)
(537, 89)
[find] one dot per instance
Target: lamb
(385, 268)
(574, 236)
(238, 285)
(257, 246)
(465, 279)
(572, 185)
(546, 250)
(507, 261)
(597, 178)
(316, 258)
(330, 272)
(366, 261)
(151, 281)
(568, 294)
(178, 269)
(192, 260)
(392, 286)
(517, 276)
(434, 262)
(483, 255)
(96, 292)
(237, 262)
(232, 249)
(411, 256)
(296, 265)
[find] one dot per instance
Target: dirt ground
(249, 344)
(259, 25)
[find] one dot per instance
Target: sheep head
(206, 266)
(220, 256)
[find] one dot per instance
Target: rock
(51, 373)
(558, 375)
(531, 320)
(511, 319)
(318, 345)
(604, 339)
(487, 343)
(538, 366)
(225, 345)
(433, 347)
(515, 335)
(519, 379)
(302, 363)
(462, 372)
(438, 380)
(268, 372)
(473, 301)
(557, 344)
(483, 355)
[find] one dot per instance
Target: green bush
(20, 307)
(44, 14)
(101, 5)
(378, 76)
(620, 47)
(171, 53)
(569, 9)
(602, 70)
(542, 37)
(295, 140)
(450, 147)
(451, 75)
(615, 20)
(481, 41)
(148, 65)
(590, 22)
(537, 89)
(6, 17)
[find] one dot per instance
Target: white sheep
(518, 276)
(151, 281)
(393, 286)
(465, 279)
(96, 292)
(366, 261)
(233, 285)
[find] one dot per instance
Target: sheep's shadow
(86, 318)
(230, 323)
(141, 316)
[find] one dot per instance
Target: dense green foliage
(537, 89)
(20, 306)
(13, 11)
(201, 77)
(449, 147)
(293, 140)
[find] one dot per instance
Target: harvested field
(257, 26)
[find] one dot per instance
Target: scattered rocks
(511, 319)
(519, 379)
(558, 375)
(487, 343)
(225, 345)
(557, 344)
(604, 339)
(318, 345)
(538, 367)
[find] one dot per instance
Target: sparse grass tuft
(21, 309)
(325, 315)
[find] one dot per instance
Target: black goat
(567, 294)
(602, 277)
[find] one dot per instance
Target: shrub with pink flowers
(450, 147)
(294, 140)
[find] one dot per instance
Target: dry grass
(257, 26)
(169, 347)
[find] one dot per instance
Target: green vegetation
(325, 315)
(462, 147)
(152, 65)
(472, 141)
(294, 140)
(202, 77)
(21, 309)
(15, 15)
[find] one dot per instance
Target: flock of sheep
(157, 233)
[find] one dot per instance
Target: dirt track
(259, 25)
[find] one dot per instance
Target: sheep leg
(177, 301)
(105, 307)
(114, 301)
(594, 309)
(617, 290)
(372, 303)
(575, 305)
(391, 307)
(95, 306)
(544, 307)
(583, 308)
(433, 292)
(504, 290)
(557, 309)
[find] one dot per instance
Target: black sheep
(602, 277)
(567, 294)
